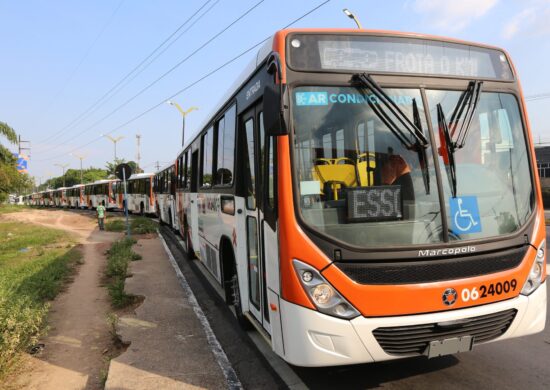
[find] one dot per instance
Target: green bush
(119, 256)
(34, 264)
(138, 225)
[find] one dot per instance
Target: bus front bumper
(313, 339)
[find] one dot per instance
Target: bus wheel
(141, 209)
(236, 301)
(170, 219)
(158, 214)
(231, 283)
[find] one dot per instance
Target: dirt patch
(77, 350)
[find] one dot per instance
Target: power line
(136, 74)
(86, 54)
(106, 94)
(181, 62)
(192, 84)
(539, 96)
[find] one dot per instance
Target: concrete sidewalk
(168, 347)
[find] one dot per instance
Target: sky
(63, 62)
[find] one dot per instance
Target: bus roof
(140, 176)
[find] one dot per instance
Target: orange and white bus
(140, 195)
(164, 187)
(100, 191)
(75, 195)
(60, 197)
(363, 196)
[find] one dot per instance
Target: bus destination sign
(363, 53)
(377, 203)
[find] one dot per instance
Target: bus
(141, 199)
(100, 191)
(75, 196)
(164, 187)
(47, 198)
(362, 196)
(60, 197)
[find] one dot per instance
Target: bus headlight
(325, 297)
(536, 274)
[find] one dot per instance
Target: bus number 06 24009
(492, 289)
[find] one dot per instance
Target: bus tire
(158, 213)
(141, 209)
(231, 283)
(170, 223)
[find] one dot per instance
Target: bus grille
(426, 271)
(414, 339)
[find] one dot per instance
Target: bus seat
(337, 173)
(365, 169)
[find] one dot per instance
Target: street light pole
(113, 140)
(183, 114)
(63, 166)
(80, 158)
(350, 15)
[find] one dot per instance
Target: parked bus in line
(164, 187)
(47, 198)
(60, 197)
(75, 196)
(363, 196)
(141, 199)
(100, 191)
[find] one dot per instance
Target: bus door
(253, 136)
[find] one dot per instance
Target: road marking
(233, 381)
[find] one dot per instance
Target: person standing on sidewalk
(101, 215)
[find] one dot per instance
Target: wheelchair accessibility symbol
(465, 214)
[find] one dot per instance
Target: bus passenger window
(207, 147)
(226, 148)
(249, 171)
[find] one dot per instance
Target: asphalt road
(512, 364)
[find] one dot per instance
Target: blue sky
(59, 57)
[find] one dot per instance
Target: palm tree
(11, 136)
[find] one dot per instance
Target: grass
(12, 208)
(138, 225)
(118, 259)
(34, 264)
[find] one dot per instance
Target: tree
(72, 177)
(110, 166)
(10, 179)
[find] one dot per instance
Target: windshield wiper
(417, 135)
(415, 140)
(422, 155)
(466, 107)
(463, 113)
(447, 149)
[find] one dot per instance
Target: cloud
(453, 15)
(532, 21)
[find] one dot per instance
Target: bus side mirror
(273, 105)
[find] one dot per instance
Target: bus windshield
(360, 183)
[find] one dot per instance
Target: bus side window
(226, 148)
(206, 150)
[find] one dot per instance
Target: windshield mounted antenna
(466, 105)
(447, 149)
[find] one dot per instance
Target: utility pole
(157, 164)
(21, 147)
(138, 140)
